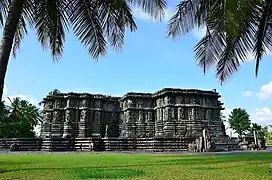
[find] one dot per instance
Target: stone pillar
(58, 118)
(96, 124)
(123, 125)
(190, 122)
(140, 125)
(46, 126)
(113, 125)
(209, 117)
(131, 127)
(159, 123)
(69, 117)
(57, 124)
(150, 127)
(181, 125)
(205, 139)
(169, 122)
(82, 125)
(198, 124)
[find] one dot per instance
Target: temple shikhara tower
(168, 113)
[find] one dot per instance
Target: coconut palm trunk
(14, 14)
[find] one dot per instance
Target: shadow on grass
(16, 162)
(87, 172)
(193, 161)
(146, 164)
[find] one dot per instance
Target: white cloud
(265, 91)
(262, 116)
(247, 93)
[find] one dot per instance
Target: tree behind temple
(19, 119)
(239, 121)
(54, 92)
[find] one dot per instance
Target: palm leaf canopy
(234, 30)
(96, 23)
(22, 109)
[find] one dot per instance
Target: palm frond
(209, 49)
(116, 16)
(88, 27)
(26, 20)
(184, 20)
(51, 21)
(3, 11)
(236, 52)
(155, 8)
(263, 34)
(21, 31)
(239, 37)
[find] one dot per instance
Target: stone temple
(169, 118)
(168, 113)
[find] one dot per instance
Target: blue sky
(148, 62)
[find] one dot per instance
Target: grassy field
(134, 166)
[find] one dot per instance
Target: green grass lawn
(134, 166)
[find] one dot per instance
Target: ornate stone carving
(57, 116)
(84, 103)
(166, 100)
(158, 102)
(191, 113)
(181, 114)
(141, 104)
(84, 115)
(208, 102)
(197, 113)
(58, 103)
(70, 103)
(97, 104)
(173, 113)
(192, 100)
(69, 115)
(48, 116)
(48, 104)
(186, 99)
(208, 114)
(149, 116)
(141, 117)
(179, 100)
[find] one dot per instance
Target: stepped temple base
(107, 144)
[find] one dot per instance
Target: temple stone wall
(75, 115)
(168, 113)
